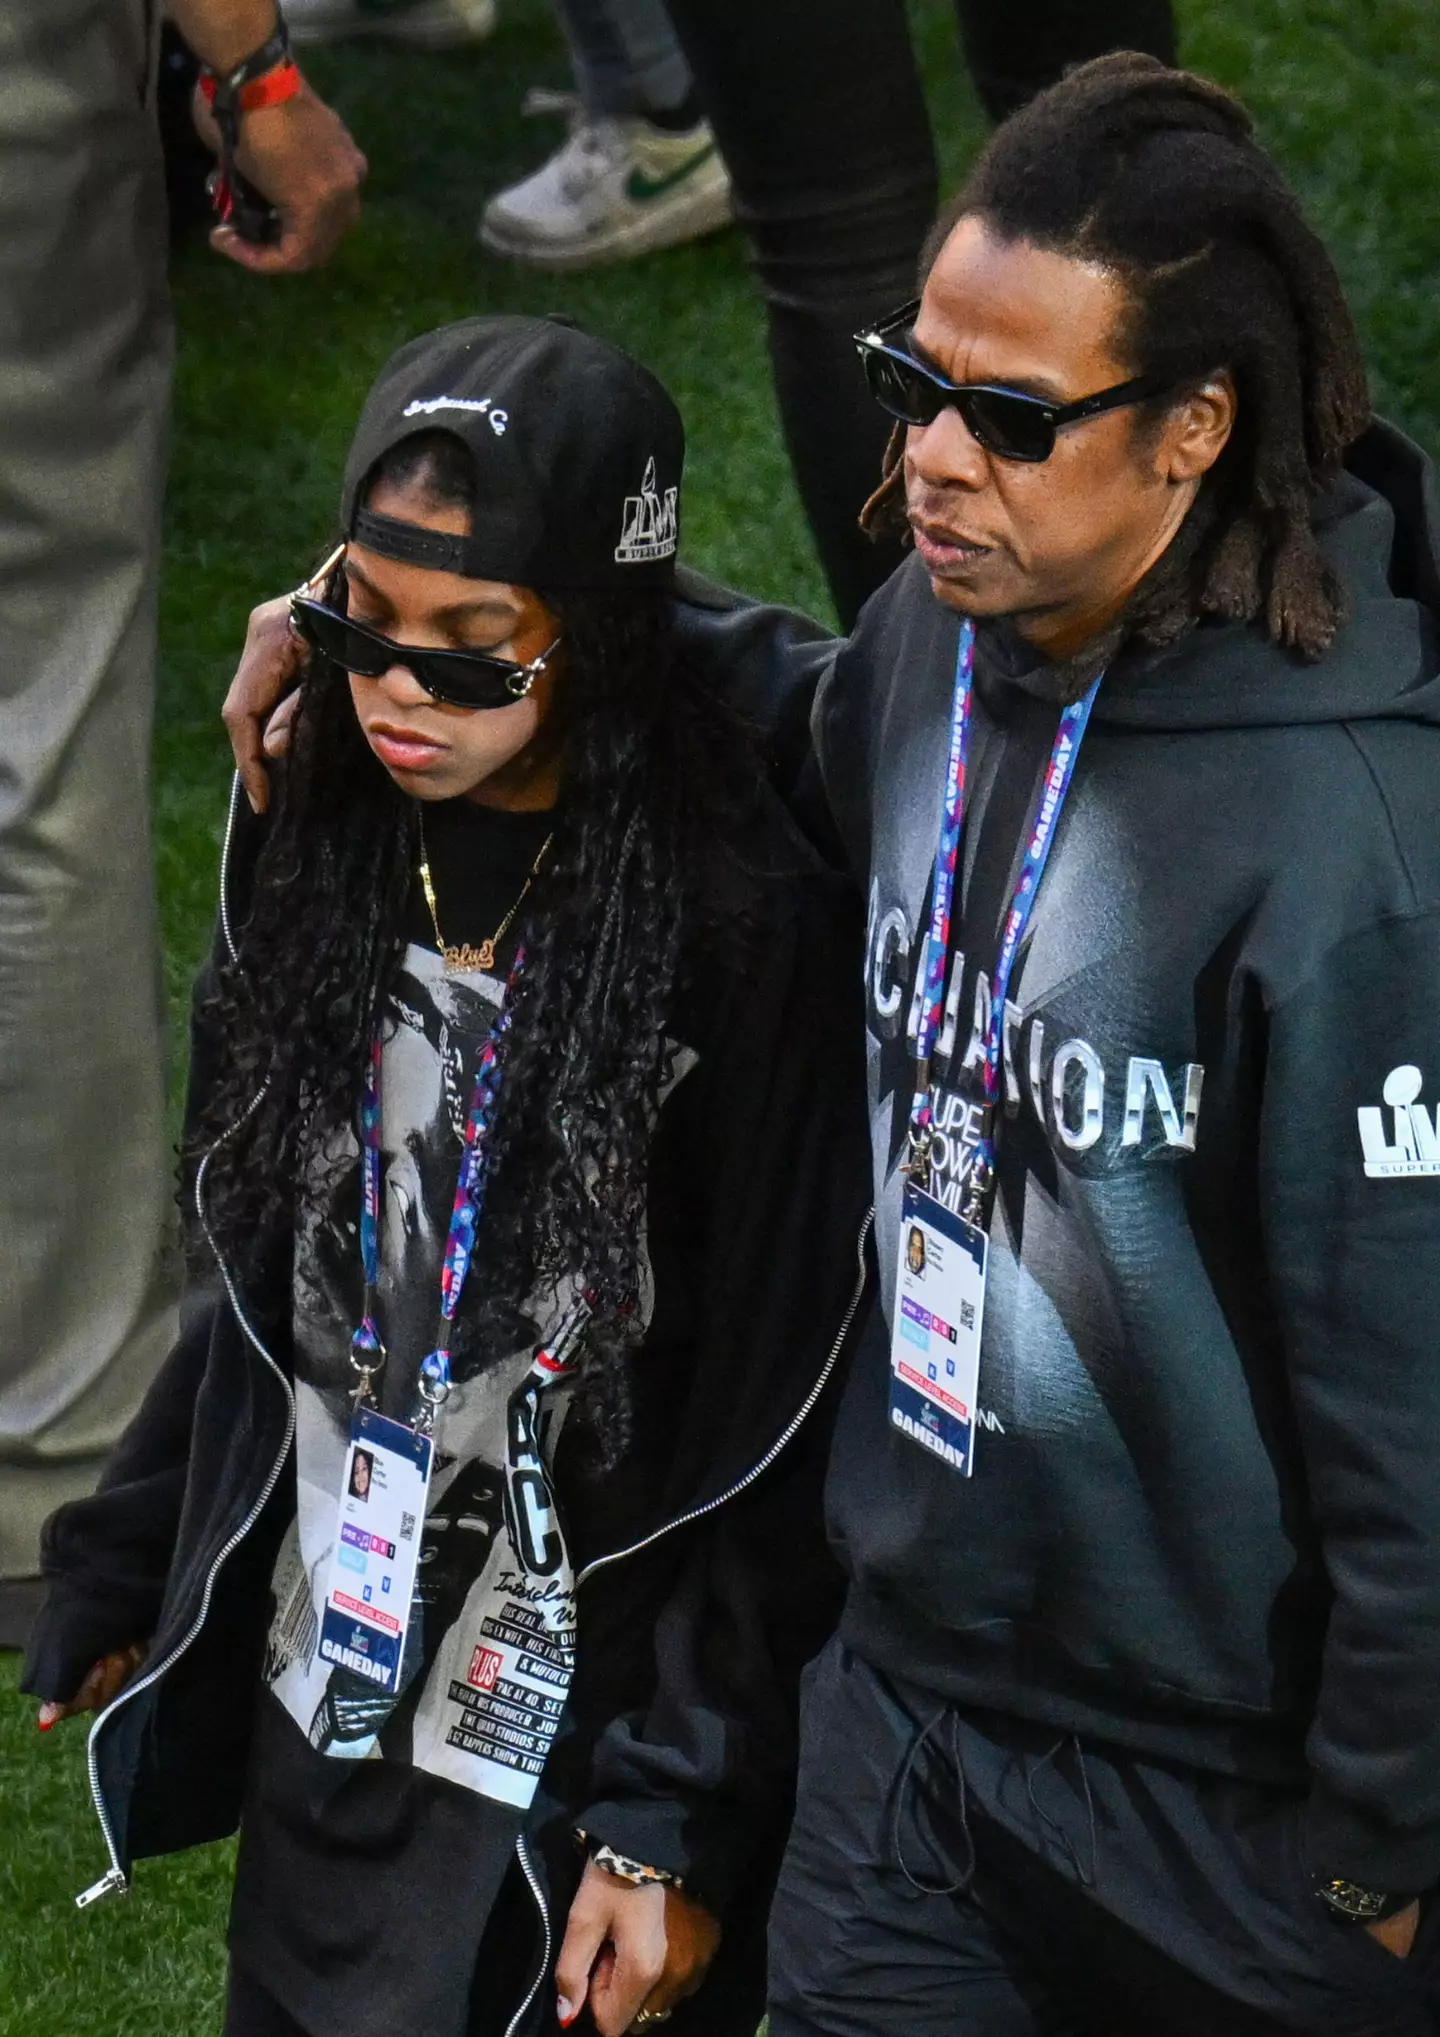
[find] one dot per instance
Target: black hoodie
(1204, 1519)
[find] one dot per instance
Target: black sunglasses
(459, 678)
(1007, 422)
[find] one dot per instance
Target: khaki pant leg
(85, 1197)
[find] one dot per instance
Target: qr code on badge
(407, 1526)
(967, 1315)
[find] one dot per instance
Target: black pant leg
(1168, 1899)
(252, 2011)
(867, 1939)
(819, 112)
(1014, 52)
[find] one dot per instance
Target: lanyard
(367, 1352)
(1058, 778)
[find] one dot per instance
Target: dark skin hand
(298, 154)
(105, 1681)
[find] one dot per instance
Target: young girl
(468, 1548)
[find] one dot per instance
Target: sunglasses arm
(315, 585)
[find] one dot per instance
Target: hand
(300, 156)
(1397, 1933)
(629, 1949)
(109, 1676)
(269, 668)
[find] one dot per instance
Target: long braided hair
(656, 782)
(1156, 174)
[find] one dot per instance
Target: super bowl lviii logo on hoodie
(1404, 1137)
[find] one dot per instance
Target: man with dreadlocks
(1132, 1720)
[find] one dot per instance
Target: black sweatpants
(819, 112)
(956, 1874)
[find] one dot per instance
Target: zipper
(782, 1441)
(522, 1854)
(115, 1881)
(230, 813)
(756, 1470)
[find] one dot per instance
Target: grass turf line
(269, 380)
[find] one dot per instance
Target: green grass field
(270, 377)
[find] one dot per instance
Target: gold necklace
(465, 957)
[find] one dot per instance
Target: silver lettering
(1145, 1079)
(890, 956)
(1078, 1054)
(1037, 1068)
(1014, 1019)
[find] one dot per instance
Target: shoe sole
(709, 213)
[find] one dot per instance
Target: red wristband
(272, 90)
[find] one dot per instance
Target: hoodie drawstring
(1052, 1825)
(907, 1784)
(903, 1784)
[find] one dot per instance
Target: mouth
(945, 551)
(402, 749)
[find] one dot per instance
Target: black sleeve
(1351, 1186)
(765, 662)
(701, 1782)
(106, 1558)
(698, 1780)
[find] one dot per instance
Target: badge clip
(367, 1357)
(433, 1390)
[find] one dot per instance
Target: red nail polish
(44, 1724)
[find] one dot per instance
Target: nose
(946, 454)
(401, 688)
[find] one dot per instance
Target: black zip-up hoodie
(1204, 1518)
(704, 1581)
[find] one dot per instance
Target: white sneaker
(616, 189)
(431, 24)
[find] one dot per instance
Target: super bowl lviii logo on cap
(651, 526)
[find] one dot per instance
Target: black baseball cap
(579, 452)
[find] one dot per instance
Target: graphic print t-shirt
(472, 1588)
(344, 1784)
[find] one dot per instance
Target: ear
(1198, 429)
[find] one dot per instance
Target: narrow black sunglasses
(458, 678)
(1006, 422)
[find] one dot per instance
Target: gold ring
(648, 2016)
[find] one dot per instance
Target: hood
(1379, 527)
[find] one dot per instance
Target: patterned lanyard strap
(367, 1351)
(1058, 779)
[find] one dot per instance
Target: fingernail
(46, 1719)
(565, 2013)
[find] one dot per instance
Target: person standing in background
(820, 116)
(639, 169)
(85, 1296)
